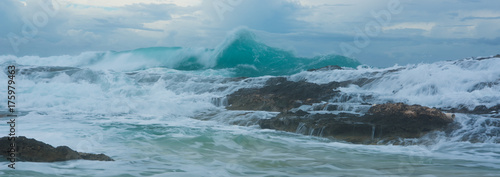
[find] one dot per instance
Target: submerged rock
(382, 123)
(36, 151)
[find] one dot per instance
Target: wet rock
(480, 109)
(459, 109)
(280, 95)
(386, 122)
(382, 123)
(485, 58)
(36, 151)
(98, 157)
(347, 127)
(483, 85)
(408, 121)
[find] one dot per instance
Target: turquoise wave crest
(240, 52)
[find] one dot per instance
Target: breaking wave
(241, 54)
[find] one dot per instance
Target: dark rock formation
(280, 95)
(98, 157)
(411, 121)
(481, 109)
(382, 123)
(347, 127)
(37, 151)
(485, 58)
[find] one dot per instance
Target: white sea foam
(443, 84)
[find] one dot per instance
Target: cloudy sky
(376, 32)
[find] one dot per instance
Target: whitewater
(160, 111)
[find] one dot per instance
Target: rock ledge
(36, 151)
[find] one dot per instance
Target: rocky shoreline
(305, 108)
(32, 150)
(380, 123)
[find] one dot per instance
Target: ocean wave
(241, 53)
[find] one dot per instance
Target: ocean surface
(161, 112)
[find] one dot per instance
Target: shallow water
(163, 146)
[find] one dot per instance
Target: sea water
(161, 112)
